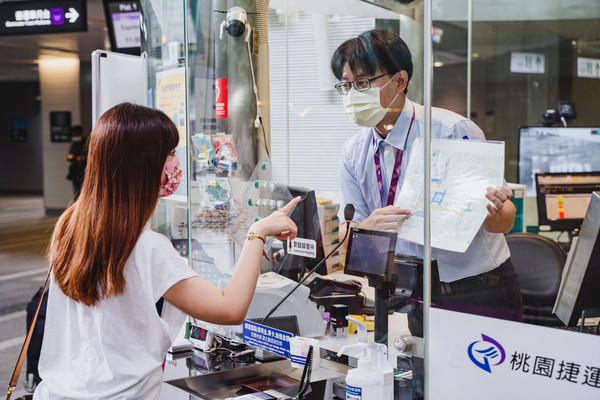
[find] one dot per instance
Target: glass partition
(308, 124)
(163, 44)
(260, 120)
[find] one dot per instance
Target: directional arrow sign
(42, 16)
(527, 63)
(72, 15)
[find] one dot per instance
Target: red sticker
(221, 97)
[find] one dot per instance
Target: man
(77, 159)
(374, 70)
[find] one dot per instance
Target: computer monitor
(370, 253)
(581, 278)
(556, 149)
(306, 218)
(123, 24)
(563, 198)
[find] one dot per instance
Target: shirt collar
(397, 136)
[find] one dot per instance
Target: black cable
(306, 276)
(348, 215)
(264, 135)
(305, 379)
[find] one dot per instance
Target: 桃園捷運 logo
(486, 353)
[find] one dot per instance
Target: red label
(221, 97)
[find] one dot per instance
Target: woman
(104, 338)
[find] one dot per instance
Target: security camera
(235, 22)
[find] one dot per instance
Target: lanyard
(397, 165)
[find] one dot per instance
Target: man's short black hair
(370, 50)
(77, 130)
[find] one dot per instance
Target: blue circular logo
(486, 353)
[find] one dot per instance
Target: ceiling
(19, 54)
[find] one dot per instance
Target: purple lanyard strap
(397, 165)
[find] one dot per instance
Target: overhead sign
(36, 17)
(588, 67)
(478, 357)
(527, 63)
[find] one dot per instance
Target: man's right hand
(388, 219)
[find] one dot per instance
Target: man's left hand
(498, 197)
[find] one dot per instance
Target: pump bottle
(373, 378)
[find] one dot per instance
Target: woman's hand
(278, 224)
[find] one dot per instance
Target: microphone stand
(309, 274)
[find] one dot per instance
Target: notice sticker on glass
(267, 338)
(302, 247)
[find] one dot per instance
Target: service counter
(183, 379)
(198, 375)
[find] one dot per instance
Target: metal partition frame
(427, 97)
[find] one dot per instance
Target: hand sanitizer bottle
(373, 377)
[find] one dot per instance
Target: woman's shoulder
(155, 245)
(150, 236)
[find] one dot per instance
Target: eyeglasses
(360, 85)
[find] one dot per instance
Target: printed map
(461, 170)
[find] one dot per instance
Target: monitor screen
(556, 149)
(581, 278)
(123, 23)
(563, 198)
(370, 253)
(306, 218)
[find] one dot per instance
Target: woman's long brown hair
(96, 235)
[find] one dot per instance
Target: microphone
(348, 215)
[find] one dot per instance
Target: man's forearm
(503, 220)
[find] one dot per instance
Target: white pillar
(59, 89)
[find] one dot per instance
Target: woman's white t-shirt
(114, 349)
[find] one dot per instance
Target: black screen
(563, 199)
(306, 218)
(556, 149)
(370, 253)
(123, 23)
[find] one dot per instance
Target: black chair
(539, 263)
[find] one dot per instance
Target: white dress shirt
(358, 185)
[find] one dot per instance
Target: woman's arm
(203, 301)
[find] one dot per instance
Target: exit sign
(588, 68)
(527, 63)
(45, 16)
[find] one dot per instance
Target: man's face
(387, 93)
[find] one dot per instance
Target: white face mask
(364, 108)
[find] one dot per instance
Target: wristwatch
(252, 235)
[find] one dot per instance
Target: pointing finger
(290, 206)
